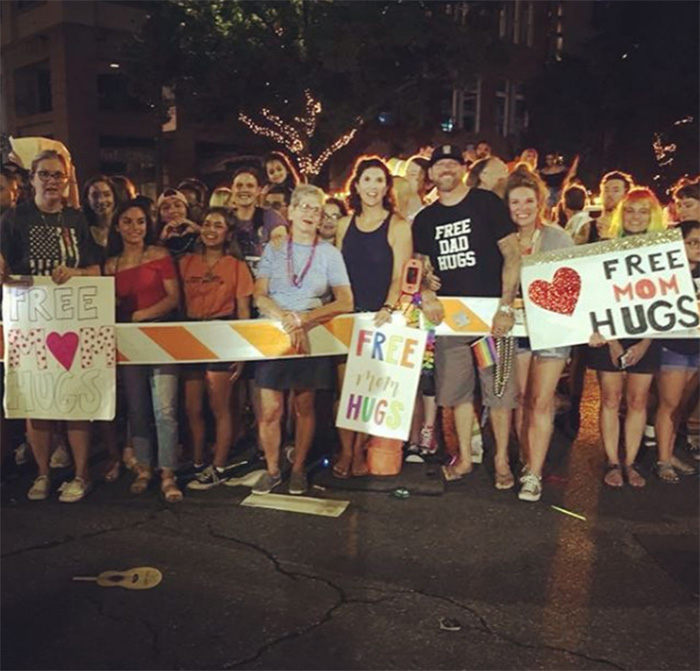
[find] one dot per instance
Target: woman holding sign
(147, 291)
(46, 237)
(538, 371)
(376, 243)
(626, 366)
(294, 281)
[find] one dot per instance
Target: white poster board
(381, 379)
(627, 288)
(60, 348)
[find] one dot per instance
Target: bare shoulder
(154, 252)
(342, 229)
(399, 228)
(110, 265)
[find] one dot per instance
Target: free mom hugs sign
(628, 288)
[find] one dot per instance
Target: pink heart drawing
(63, 347)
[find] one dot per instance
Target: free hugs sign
(627, 288)
(60, 348)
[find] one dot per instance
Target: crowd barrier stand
(258, 339)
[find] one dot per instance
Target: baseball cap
(171, 193)
(446, 151)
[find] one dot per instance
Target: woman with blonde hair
(626, 366)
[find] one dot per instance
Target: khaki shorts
(455, 376)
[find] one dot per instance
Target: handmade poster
(381, 378)
(60, 349)
(627, 288)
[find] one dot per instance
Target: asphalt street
(529, 587)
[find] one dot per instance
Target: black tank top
(370, 263)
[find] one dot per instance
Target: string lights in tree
(295, 136)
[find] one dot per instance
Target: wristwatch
(507, 309)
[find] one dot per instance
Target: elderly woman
(45, 237)
(538, 371)
(626, 366)
(294, 279)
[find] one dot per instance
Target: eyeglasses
(335, 217)
(306, 208)
(693, 243)
(45, 175)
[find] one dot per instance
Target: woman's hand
(636, 352)
(137, 316)
(236, 369)
(502, 324)
(300, 341)
(61, 274)
(382, 317)
(291, 321)
(597, 340)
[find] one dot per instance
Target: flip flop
(451, 474)
(340, 473)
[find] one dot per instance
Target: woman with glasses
(679, 362)
(376, 243)
(45, 237)
(294, 279)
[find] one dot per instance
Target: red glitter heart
(560, 295)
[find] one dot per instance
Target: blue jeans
(159, 385)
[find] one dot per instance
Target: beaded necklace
(298, 280)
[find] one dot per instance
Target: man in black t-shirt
(469, 241)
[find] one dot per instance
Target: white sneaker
(74, 490)
(60, 458)
(531, 488)
(39, 491)
(23, 454)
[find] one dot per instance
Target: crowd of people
(271, 246)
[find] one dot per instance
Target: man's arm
(432, 307)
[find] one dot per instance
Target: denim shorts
(671, 360)
(523, 347)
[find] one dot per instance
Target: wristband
(507, 309)
(388, 308)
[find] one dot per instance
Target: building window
(510, 117)
(469, 110)
(516, 22)
(113, 95)
(26, 5)
(33, 89)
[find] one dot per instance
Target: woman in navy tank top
(376, 242)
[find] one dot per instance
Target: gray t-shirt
(327, 270)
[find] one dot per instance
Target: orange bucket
(384, 455)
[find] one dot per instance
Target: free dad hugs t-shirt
(462, 243)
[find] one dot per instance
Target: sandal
(681, 467)
(613, 476)
(170, 491)
(143, 479)
(451, 474)
(504, 481)
(114, 471)
(666, 473)
(340, 472)
(633, 476)
(129, 459)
